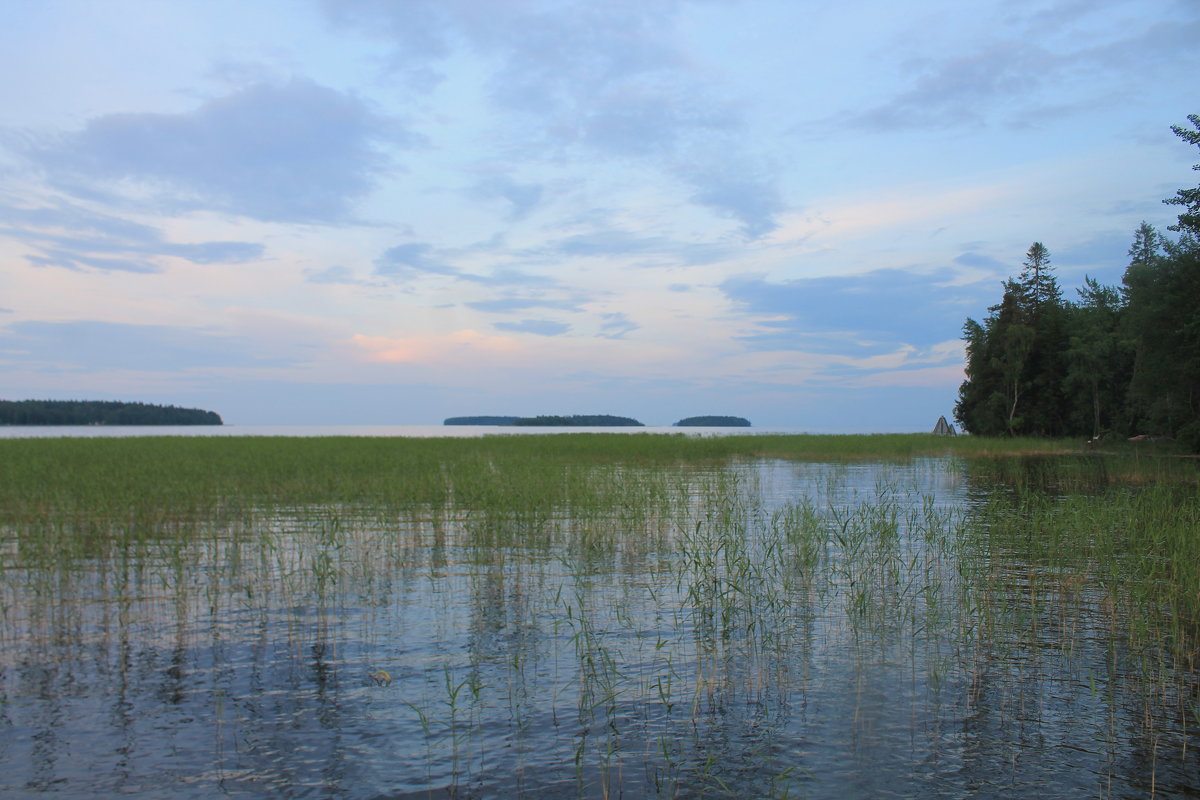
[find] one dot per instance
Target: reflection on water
(776, 629)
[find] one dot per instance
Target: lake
(418, 431)
(486, 624)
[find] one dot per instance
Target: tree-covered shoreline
(480, 420)
(579, 421)
(100, 412)
(1119, 361)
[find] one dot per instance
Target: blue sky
(372, 212)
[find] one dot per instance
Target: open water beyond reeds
(492, 620)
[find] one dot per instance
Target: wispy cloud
(411, 260)
(521, 198)
(1016, 73)
(464, 346)
(522, 303)
(540, 327)
(74, 237)
(296, 152)
(607, 78)
(860, 315)
(93, 346)
(616, 326)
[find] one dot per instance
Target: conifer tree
(1189, 220)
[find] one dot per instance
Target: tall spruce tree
(1015, 364)
(1189, 220)
(1045, 402)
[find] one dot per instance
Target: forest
(100, 412)
(578, 420)
(1117, 361)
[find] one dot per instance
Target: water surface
(765, 629)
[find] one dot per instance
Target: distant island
(100, 412)
(594, 421)
(579, 421)
(713, 422)
(481, 420)
(554, 421)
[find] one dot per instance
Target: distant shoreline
(100, 412)
(593, 421)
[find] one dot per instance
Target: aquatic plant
(669, 615)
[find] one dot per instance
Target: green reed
(636, 590)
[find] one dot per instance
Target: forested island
(100, 412)
(1119, 361)
(579, 421)
(713, 422)
(555, 421)
(594, 421)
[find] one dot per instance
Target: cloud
(77, 238)
(540, 327)
(947, 376)
(981, 260)
(336, 275)
(409, 261)
(605, 78)
(609, 243)
(508, 277)
(1011, 76)
(92, 346)
(516, 303)
(460, 347)
(522, 198)
(296, 152)
(616, 326)
(416, 259)
(961, 90)
(872, 313)
(734, 188)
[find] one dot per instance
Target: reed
(640, 606)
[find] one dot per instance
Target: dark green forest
(713, 422)
(579, 420)
(100, 412)
(1116, 361)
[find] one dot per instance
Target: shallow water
(789, 629)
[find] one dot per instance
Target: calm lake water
(787, 629)
(417, 431)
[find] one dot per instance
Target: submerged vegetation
(598, 614)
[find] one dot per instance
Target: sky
(396, 211)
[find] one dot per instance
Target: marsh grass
(637, 606)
